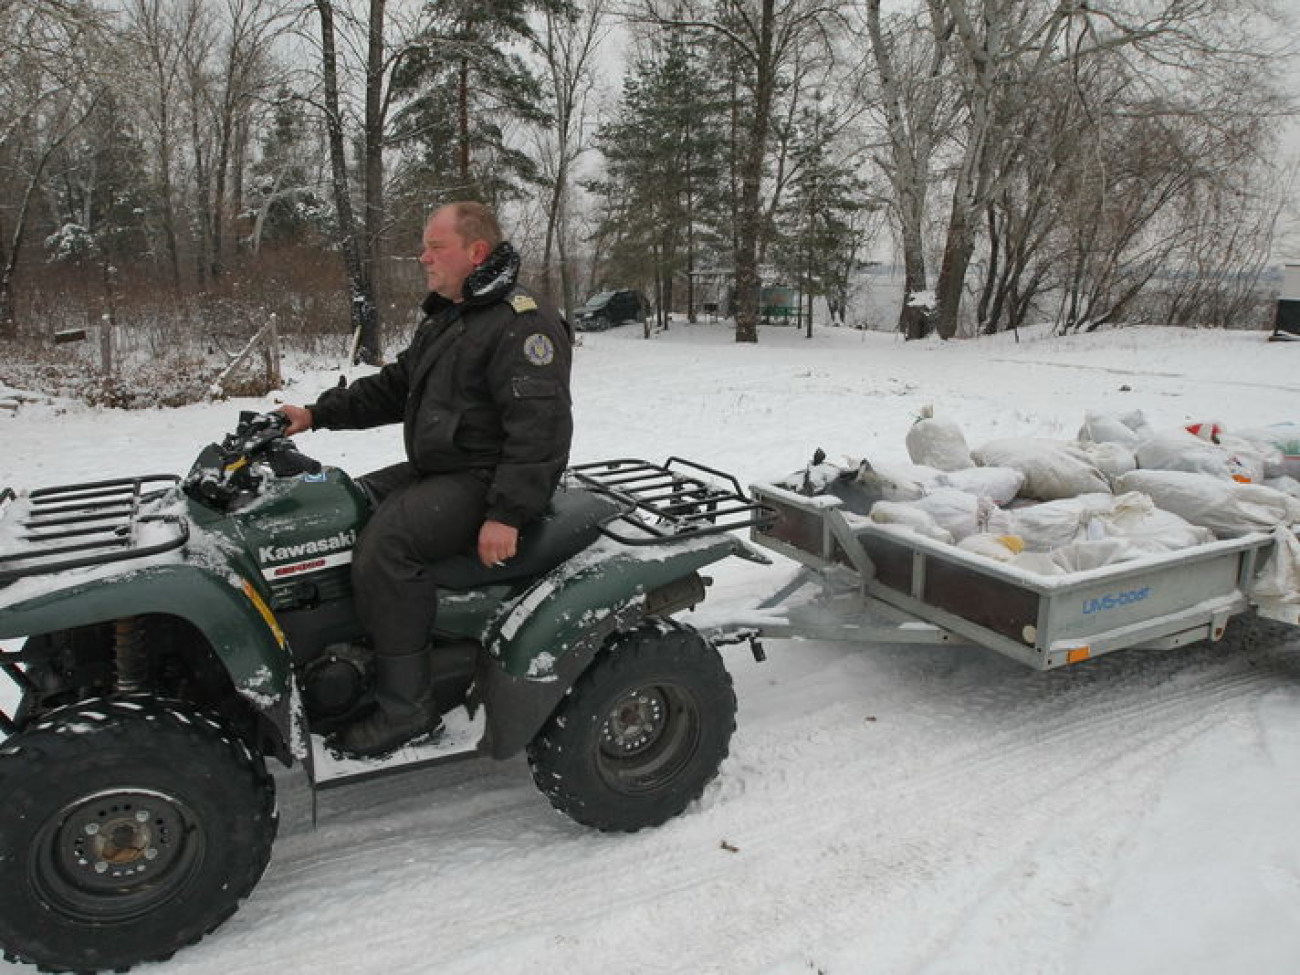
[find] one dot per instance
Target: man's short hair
(474, 221)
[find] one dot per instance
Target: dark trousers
(418, 520)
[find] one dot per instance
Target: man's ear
(479, 251)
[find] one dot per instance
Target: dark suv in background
(608, 308)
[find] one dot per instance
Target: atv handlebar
(227, 471)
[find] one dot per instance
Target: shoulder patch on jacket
(522, 303)
(538, 349)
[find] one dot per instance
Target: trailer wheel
(640, 734)
(130, 828)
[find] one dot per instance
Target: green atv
(177, 631)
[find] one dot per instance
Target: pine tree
(662, 194)
(459, 89)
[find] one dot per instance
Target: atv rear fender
(225, 608)
(542, 642)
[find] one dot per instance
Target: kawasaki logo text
(317, 546)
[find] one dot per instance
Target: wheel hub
(118, 852)
(634, 723)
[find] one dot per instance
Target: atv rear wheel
(641, 733)
(129, 828)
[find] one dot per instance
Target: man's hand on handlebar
(299, 417)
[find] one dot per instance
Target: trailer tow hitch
(745, 634)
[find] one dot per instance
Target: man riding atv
(483, 394)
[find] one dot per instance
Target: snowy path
(884, 810)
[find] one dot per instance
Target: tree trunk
(363, 308)
(370, 348)
(462, 120)
(957, 252)
(751, 177)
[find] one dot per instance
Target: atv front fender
(544, 640)
(226, 608)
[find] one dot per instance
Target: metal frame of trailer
(882, 584)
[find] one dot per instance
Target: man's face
(449, 259)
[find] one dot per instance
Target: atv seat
(571, 523)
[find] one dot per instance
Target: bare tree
(916, 103)
(568, 43)
(245, 75)
(1003, 51)
(46, 95)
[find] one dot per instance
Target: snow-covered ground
(887, 810)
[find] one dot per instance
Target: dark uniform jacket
(484, 385)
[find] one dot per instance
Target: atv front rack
(78, 525)
(670, 501)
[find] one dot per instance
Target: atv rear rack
(79, 525)
(670, 501)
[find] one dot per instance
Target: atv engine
(334, 683)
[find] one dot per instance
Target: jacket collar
(488, 282)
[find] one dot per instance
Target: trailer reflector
(1078, 655)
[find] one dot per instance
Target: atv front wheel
(129, 829)
(641, 733)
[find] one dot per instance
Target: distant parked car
(609, 308)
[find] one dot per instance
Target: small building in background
(1286, 322)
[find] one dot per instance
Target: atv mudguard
(227, 609)
(543, 641)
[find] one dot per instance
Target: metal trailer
(880, 584)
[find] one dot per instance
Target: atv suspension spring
(130, 655)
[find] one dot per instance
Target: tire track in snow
(920, 820)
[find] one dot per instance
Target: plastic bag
(1283, 437)
(1052, 469)
(937, 443)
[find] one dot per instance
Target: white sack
(1135, 517)
(1227, 508)
(908, 515)
(1112, 459)
(1287, 485)
(1276, 591)
(1052, 469)
(938, 443)
(1053, 524)
(1000, 548)
(999, 484)
(1179, 450)
(963, 514)
(1089, 553)
(1106, 428)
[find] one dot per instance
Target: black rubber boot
(406, 709)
